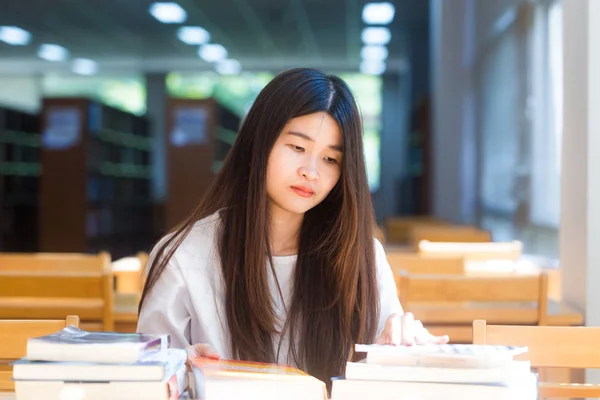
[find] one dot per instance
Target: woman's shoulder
(198, 244)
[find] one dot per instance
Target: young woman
(278, 263)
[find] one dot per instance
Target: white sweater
(188, 300)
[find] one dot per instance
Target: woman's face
(304, 164)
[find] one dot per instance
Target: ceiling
(261, 34)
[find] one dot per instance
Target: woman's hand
(202, 350)
(405, 330)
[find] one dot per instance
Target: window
(548, 118)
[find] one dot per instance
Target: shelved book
(76, 345)
(225, 379)
(437, 371)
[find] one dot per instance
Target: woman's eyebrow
(307, 137)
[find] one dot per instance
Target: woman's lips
(303, 191)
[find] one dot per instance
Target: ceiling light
(376, 35)
(376, 53)
(168, 13)
(193, 35)
(212, 52)
(84, 66)
(229, 67)
(14, 35)
(378, 13)
(53, 52)
(371, 67)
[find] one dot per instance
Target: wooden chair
(422, 264)
(13, 341)
(448, 304)
(130, 273)
(482, 251)
(549, 347)
(52, 286)
(398, 229)
(449, 233)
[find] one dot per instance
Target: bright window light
(371, 67)
(168, 13)
(212, 52)
(53, 52)
(378, 13)
(14, 35)
(84, 66)
(376, 53)
(228, 67)
(376, 35)
(193, 35)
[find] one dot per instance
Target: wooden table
(455, 320)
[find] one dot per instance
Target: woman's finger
(202, 350)
(408, 329)
(421, 334)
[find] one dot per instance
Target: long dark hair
(335, 301)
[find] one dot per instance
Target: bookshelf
(418, 179)
(199, 134)
(20, 170)
(95, 193)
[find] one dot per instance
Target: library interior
(149, 248)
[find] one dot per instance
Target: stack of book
(76, 364)
(437, 372)
(226, 379)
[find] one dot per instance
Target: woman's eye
(331, 160)
(297, 148)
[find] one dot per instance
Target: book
(76, 345)
(524, 388)
(443, 356)
(227, 379)
(167, 389)
(494, 375)
(157, 366)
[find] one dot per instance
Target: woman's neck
(284, 231)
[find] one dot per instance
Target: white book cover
(76, 345)
(156, 367)
(446, 356)
(494, 375)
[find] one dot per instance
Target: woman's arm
(388, 294)
(396, 326)
(165, 308)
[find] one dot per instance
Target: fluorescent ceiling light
(193, 35)
(371, 67)
(228, 67)
(378, 13)
(168, 13)
(84, 66)
(376, 35)
(375, 53)
(14, 35)
(53, 52)
(212, 52)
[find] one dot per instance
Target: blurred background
(115, 114)
(480, 128)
